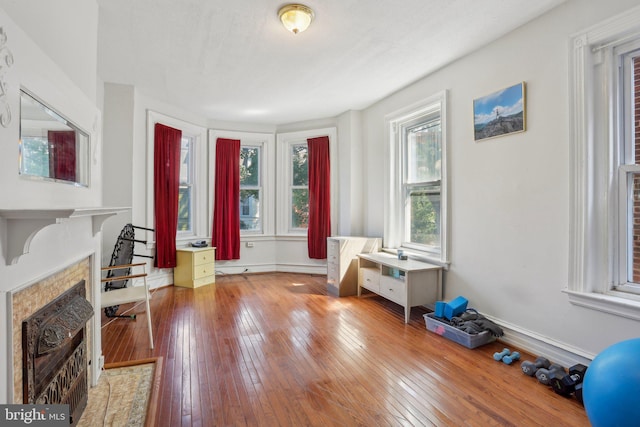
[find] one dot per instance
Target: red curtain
(166, 173)
(319, 197)
(225, 236)
(62, 154)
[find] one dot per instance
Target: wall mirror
(51, 147)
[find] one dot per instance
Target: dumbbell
(510, 358)
(566, 384)
(498, 356)
(530, 368)
(578, 393)
(544, 375)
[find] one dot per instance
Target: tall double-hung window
(257, 180)
(250, 188)
(192, 189)
(416, 215)
(628, 88)
(299, 187)
(604, 258)
(293, 180)
(422, 163)
(185, 192)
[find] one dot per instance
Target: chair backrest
(112, 298)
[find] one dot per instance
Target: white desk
(409, 283)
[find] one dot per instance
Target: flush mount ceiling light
(295, 17)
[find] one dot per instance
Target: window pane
(424, 216)
(184, 208)
(424, 153)
(35, 155)
(185, 172)
(300, 175)
(185, 202)
(249, 166)
(250, 210)
(299, 208)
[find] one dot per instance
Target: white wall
(67, 31)
(34, 70)
(118, 160)
(58, 245)
(509, 195)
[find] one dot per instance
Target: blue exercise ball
(611, 387)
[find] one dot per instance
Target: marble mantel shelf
(24, 224)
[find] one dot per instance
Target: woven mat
(124, 395)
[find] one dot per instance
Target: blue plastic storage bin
(456, 335)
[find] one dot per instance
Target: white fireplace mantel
(24, 224)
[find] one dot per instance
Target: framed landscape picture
(500, 113)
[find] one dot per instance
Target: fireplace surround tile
(29, 300)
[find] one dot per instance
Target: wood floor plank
(276, 350)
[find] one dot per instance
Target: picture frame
(500, 113)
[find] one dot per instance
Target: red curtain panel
(226, 210)
(166, 173)
(62, 154)
(319, 197)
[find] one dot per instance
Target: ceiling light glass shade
(296, 17)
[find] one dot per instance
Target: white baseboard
(270, 268)
(557, 352)
(306, 269)
(245, 268)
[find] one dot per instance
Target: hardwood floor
(276, 350)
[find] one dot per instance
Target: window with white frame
(250, 188)
(604, 270)
(185, 195)
(299, 187)
(192, 197)
(257, 180)
(422, 178)
(416, 205)
(628, 89)
(293, 181)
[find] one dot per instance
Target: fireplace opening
(54, 350)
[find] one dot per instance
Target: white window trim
(199, 195)
(394, 210)
(267, 143)
(285, 141)
(592, 245)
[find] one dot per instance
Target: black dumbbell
(530, 368)
(566, 384)
(578, 393)
(544, 375)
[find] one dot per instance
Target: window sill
(611, 304)
(419, 256)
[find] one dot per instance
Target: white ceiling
(234, 61)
